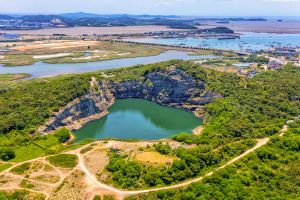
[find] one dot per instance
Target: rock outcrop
(171, 87)
(92, 106)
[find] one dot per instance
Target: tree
(7, 154)
(63, 135)
(163, 148)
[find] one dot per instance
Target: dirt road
(92, 181)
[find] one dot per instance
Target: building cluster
(191, 33)
(19, 24)
(286, 51)
(280, 56)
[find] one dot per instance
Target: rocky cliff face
(91, 106)
(172, 87)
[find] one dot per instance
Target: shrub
(64, 160)
(21, 169)
(63, 135)
(6, 154)
(163, 148)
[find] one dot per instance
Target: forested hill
(254, 107)
(250, 108)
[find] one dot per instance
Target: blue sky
(178, 7)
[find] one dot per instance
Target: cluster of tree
(63, 135)
(190, 163)
(26, 105)
(251, 108)
(125, 173)
(271, 172)
(163, 148)
(6, 154)
(218, 30)
(255, 59)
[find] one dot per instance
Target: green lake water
(139, 119)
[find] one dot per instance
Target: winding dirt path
(93, 182)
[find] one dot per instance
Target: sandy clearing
(96, 160)
(54, 45)
(123, 54)
(51, 55)
(92, 30)
(86, 58)
(153, 158)
(198, 130)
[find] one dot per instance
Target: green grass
(86, 149)
(26, 184)
(4, 166)
(28, 152)
(21, 169)
(97, 197)
(64, 160)
(18, 60)
(20, 195)
(38, 148)
(108, 197)
(12, 77)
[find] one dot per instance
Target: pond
(139, 119)
(41, 69)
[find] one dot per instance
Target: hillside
(243, 114)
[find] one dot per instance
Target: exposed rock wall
(172, 87)
(92, 106)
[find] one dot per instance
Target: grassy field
(153, 158)
(21, 169)
(49, 144)
(9, 79)
(63, 160)
(4, 166)
(4, 78)
(74, 51)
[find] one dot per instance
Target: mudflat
(292, 27)
(91, 30)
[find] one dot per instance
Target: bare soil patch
(154, 158)
(51, 56)
(96, 161)
(61, 44)
(73, 187)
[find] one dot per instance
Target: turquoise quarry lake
(139, 119)
(248, 40)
